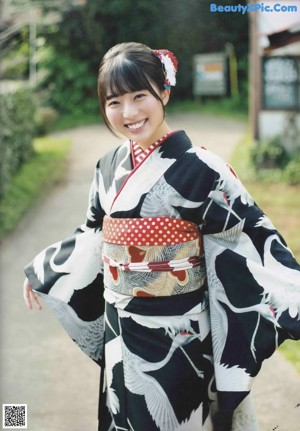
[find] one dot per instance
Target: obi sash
(157, 256)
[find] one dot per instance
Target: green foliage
(86, 33)
(16, 133)
(193, 29)
(75, 45)
(229, 107)
(69, 121)
(15, 57)
(37, 175)
(270, 154)
(44, 119)
(292, 171)
(70, 84)
(257, 162)
(241, 159)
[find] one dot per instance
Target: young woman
(178, 285)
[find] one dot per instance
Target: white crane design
(80, 268)
(180, 331)
(139, 382)
(281, 284)
(214, 245)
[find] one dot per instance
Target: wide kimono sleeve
(253, 280)
(68, 275)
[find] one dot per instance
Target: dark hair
(129, 67)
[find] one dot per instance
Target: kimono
(178, 348)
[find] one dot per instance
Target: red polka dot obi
(156, 256)
(149, 231)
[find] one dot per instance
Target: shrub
(16, 133)
(71, 87)
(269, 162)
(270, 154)
(39, 174)
(44, 118)
(292, 171)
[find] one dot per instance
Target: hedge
(17, 110)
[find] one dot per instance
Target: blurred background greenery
(66, 41)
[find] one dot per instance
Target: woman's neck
(160, 134)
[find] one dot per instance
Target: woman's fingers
(36, 300)
(30, 297)
(26, 294)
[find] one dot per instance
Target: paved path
(40, 365)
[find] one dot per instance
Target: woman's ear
(165, 96)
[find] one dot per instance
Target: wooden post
(255, 75)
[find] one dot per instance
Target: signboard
(281, 83)
(210, 74)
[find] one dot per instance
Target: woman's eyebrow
(111, 96)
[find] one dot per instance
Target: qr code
(14, 416)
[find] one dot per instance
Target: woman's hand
(29, 296)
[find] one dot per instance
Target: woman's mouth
(135, 126)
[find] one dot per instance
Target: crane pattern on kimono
(238, 241)
(181, 333)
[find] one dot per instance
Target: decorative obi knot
(156, 256)
(152, 231)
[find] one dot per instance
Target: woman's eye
(112, 103)
(140, 95)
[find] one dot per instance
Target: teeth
(135, 126)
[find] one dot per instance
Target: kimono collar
(139, 154)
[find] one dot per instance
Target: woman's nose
(129, 110)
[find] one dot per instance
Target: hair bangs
(124, 77)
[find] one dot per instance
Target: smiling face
(139, 116)
(131, 93)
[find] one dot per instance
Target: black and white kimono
(168, 361)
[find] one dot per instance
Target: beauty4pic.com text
(253, 7)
